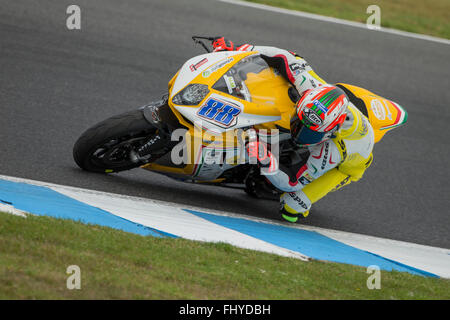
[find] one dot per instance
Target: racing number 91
(218, 111)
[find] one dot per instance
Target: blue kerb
(309, 243)
(45, 201)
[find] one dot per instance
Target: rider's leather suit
(331, 164)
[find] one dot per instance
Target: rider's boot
(294, 205)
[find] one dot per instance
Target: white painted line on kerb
(11, 210)
(336, 20)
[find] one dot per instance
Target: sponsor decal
(197, 65)
(343, 148)
(206, 73)
(378, 109)
(229, 81)
(220, 112)
(213, 156)
(296, 68)
(304, 78)
(150, 143)
(212, 160)
(369, 162)
(308, 176)
(364, 127)
(319, 105)
(342, 183)
(298, 200)
(325, 157)
(217, 66)
(305, 179)
(312, 116)
(388, 110)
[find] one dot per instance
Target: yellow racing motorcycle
(197, 132)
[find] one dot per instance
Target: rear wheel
(107, 146)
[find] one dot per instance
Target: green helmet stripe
(330, 97)
(317, 110)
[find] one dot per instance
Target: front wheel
(107, 146)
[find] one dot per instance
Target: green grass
(426, 17)
(36, 251)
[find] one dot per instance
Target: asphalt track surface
(55, 83)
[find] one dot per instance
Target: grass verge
(425, 17)
(36, 251)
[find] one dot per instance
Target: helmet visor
(302, 135)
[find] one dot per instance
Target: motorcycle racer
(338, 136)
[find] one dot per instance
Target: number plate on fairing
(220, 112)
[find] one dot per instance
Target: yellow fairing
(270, 89)
(383, 114)
(196, 142)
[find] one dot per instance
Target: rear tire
(106, 146)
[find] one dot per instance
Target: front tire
(106, 146)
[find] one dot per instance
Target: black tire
(96, 147)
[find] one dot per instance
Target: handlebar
(201, 37)
(197, 41)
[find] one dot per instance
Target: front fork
(159, 115)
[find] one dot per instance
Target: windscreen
(253, 80)
(243, 76)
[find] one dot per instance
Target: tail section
(383, 114)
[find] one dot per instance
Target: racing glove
(258, 153)
(222, 44)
